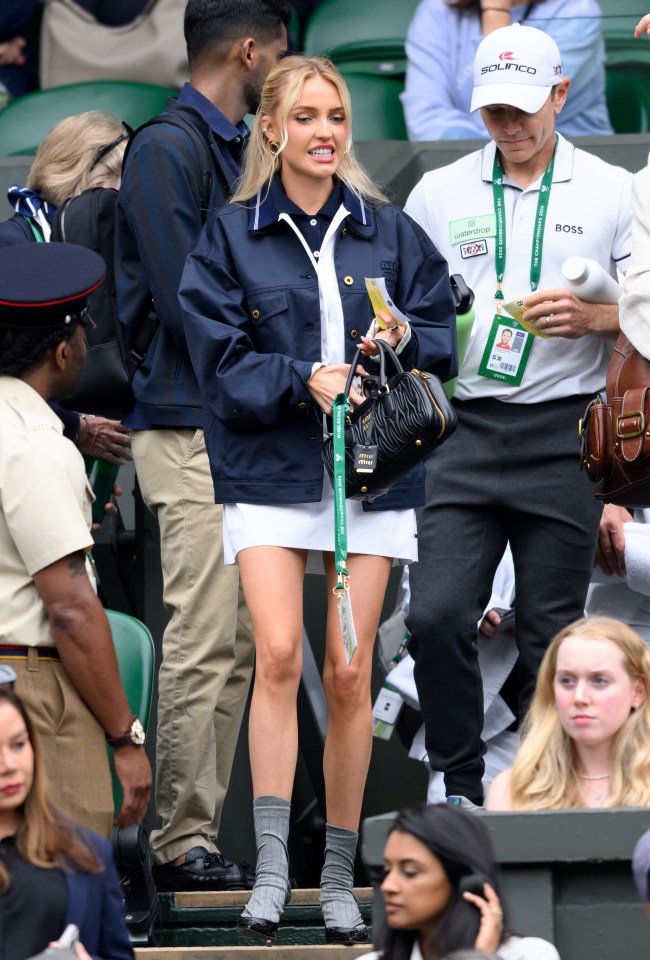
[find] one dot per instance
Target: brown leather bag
(615, 436)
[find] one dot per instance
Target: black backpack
(104, 387)
(89, 220)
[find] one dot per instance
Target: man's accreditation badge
(506, 352)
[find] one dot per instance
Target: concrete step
(208, 920)
(306, 952)
(238, 898)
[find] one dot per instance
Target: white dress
(310, 526)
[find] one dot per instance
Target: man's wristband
(495, 10)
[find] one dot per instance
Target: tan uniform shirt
(45, 508)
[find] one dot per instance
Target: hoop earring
(274, 146)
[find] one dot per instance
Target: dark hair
(474, 6)
(215, 24)
(462, 845)
(45, 836)
(20, 350)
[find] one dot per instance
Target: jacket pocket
(266, 304)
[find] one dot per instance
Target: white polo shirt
(45, 507)
(589, 215)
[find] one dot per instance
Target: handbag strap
(385, 350)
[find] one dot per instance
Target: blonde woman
(275, 311)
(586, 740)
(80, 152)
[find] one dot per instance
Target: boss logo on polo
(567, 228)
(474, 249)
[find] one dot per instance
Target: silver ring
(548, 320)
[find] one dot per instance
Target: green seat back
(27, 120)
(376, 108)
(620, 17)
(628, 98)
(368, 34)
(136, 660)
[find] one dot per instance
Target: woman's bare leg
(272, 578)
(347, 688)
(349, 741)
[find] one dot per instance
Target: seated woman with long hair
(586, 738)
(441, 891)
(52, 872)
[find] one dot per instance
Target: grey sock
(337, 879)
(271, 818)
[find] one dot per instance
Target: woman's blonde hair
(281, 92)
(544, 774)
(64, 165)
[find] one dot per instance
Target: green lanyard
(340, 411)
(38, 236)
(540, 221)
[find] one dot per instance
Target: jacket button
(370, 502)
(354, 334)
(255, 314)
(344, 231)
(348, 281)
(302, 404)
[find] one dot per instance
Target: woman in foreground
(441, 891)
(52, 872)
(275, 311)
(586, 738)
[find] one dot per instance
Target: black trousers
(509, 473)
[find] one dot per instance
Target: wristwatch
(134, 736)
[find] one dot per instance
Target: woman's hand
(491, 928)
(392, 335)
(328, 381)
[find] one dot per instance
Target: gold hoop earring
(274, 146)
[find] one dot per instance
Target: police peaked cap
(46, 285)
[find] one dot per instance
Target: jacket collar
(264, 214)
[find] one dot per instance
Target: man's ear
(248, 53)
(61, 354)
(560, 94)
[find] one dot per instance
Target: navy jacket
(158, 220)
(96, 906)
(250, 303)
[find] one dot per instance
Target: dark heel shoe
(346, 936)
(258, 928)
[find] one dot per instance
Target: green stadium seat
(135, 658)
(628, 97)
(367, 36)
(27, 120)
(619, 20)
(376, 108)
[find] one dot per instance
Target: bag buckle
(621, 433)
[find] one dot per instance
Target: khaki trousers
(207, 647)
(73, 743)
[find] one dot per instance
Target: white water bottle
(587, 279)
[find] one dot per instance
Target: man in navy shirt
(208, 644)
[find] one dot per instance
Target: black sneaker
(203, 870)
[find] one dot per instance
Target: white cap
(515, 65)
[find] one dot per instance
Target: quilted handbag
(402, 420)
(615, 436)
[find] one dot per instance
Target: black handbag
(402, 420)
